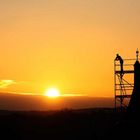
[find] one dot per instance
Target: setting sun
(52, 93)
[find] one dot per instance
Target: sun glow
(52, 93)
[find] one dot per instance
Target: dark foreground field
(83, 124)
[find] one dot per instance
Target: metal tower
(123, 80)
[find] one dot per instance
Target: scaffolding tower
(123, 81)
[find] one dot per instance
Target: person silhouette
(119, 58)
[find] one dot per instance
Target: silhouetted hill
(68, 124)
(65, 124)
(31, 102)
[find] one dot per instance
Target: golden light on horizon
(52, 93)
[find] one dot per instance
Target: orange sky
(68, 44)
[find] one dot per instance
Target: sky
(67, 44)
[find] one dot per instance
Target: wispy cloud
(6, 83)
(73, 95)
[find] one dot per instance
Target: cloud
(6, 83)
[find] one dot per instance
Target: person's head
(117, 54)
